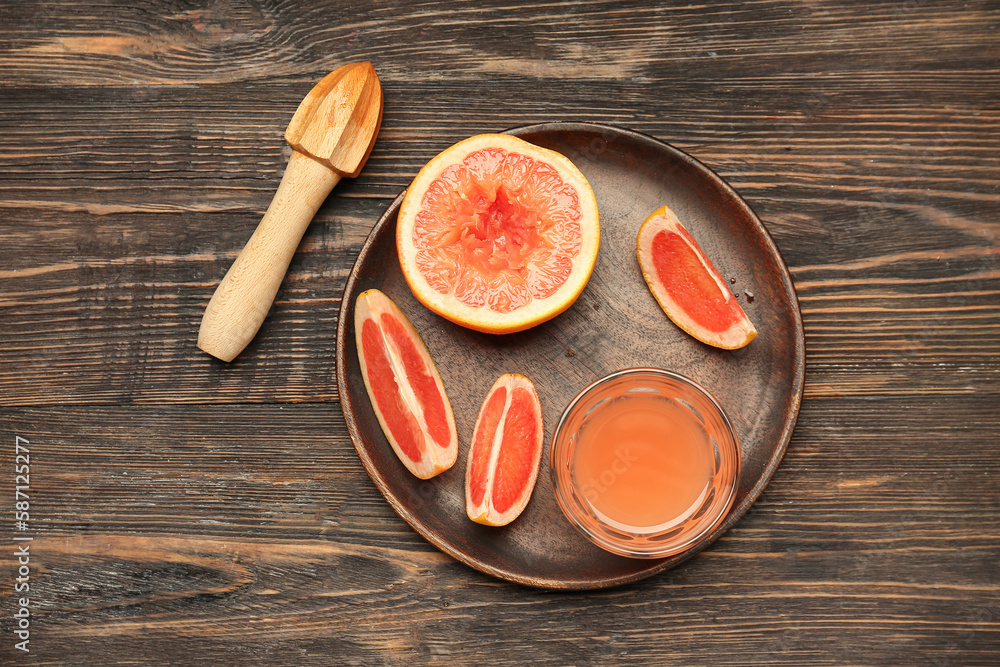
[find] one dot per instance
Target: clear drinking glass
(645, 463)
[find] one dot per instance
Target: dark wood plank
(893, 252)
(236, 531)
(190, 512)
(121, 44)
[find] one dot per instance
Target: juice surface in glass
(643, 463)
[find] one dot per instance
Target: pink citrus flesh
(497, 234)
(404, 387)
(506, 449)
(686, 284)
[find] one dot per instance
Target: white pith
(406, 389)
(484, 512)
(491, 466)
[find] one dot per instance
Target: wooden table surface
(186, 511)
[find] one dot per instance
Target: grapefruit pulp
(506, 448)
(404, 387)
(686, 284)
(497, 234)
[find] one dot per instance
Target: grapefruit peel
(404, 387)
(506, 449)
(497, 234)
(686, 284)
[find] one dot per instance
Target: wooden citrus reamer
(331, 135)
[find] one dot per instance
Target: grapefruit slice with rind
(404, 386)
(497, 234)
(686, 284)
(506, 448)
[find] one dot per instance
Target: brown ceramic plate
(615, 324)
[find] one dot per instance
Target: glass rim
(560, 437)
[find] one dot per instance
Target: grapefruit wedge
(686, 284)
(404, 387)
(497, 234)
(506, 449)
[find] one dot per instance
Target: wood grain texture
(172, 526)
(191, 512)
(143, 248)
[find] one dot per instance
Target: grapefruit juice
(643, 463)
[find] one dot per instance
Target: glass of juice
(645, 463)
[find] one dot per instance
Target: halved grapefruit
(506, 449)
(686, 284)
(497, 234)
(404, 387)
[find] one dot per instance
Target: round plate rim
(651, 566)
